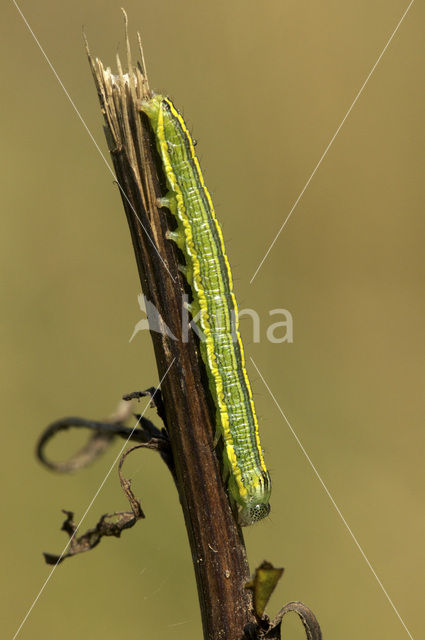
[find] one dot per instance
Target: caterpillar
(207, 271)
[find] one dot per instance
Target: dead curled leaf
(307, 617)
(92, 537)
(109, 524)
(104, 433)
(103, 436)
(262, 586)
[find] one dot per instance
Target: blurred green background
(263, 87)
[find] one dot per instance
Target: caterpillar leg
(168, 202)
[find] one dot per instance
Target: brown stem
(218, 551)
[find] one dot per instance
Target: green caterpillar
(208, 273)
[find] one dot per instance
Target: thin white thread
(179, 624)
(89, 132)
(331, 142)
(86, 511)
(332, 500)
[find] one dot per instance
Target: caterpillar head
(252, 513)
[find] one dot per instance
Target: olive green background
(263, 86)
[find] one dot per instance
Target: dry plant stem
(216, 542)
